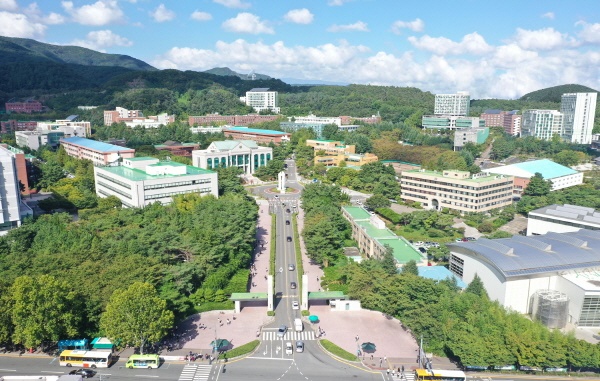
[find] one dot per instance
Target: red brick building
(509, 120)
(234, 120)
(27, 106)
(13, 125)
(257, 135)
(177, 148)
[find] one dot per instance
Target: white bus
(85, 359)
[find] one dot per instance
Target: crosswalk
(195, 372)
(289, 335)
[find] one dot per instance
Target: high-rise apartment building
(452, 104)
(262, 99)
(579, 110)
(542, 124)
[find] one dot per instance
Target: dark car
(287, 222)
(292, 285)
(470, 238)
(85, 373)
(289, 239)
(422, 249)
(287, 210)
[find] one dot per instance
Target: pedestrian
(384, 358)
(371, 356)
(228, 322)
(356, 337)
(388, 371)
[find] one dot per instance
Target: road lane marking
(8, 370)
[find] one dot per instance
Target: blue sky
(491, 49)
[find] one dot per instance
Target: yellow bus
(143, 361)
(439, 375)
(85, 359)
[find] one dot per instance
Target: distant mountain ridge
(18, 50)
(553, 94)
(225, 71)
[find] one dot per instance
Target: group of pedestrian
(399, 372)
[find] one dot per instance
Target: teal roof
(95, 145)
(357, 213)
(139, 175)
(546, 167)
(141, 158)
(439, 273)
(255, 131)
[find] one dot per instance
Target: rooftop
(254, 130)
(527, 169)
(479, 179)
(140, 175)
(570, 212)
(550, 253)
(439, 273)
(95, 145)
(258, 90)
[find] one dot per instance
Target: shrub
(334, 349)
(270, 313)
(485, 227)
(435, 233)
(241, 350)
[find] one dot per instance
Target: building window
(456, 265)
(590, 312)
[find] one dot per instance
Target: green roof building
(140, 181)
(373, 237)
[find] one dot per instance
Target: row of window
(590, 312)
(453, 185)
(479, 199)
(176, 184)
(122, 202)
(170, 194)
(113, 180)
(456, 266)
(116, 190)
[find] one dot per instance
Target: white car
(289, 349)
(419, 243)
(295, 305)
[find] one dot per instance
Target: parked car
(471, 238)
(281, 331)
(419, 243)
(422, 250)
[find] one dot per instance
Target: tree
(476, 287)
(330, 131)
(538, 186)
(51, 173)
(229, 180)
(388, 261)
(377, 201)
(410, 267)
(43, 308)
(137, 316)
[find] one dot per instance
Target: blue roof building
(98, 152)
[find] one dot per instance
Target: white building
(579, 110)
(452, 104)
(12, 209)
(244, 154)
(207, 129)
(541, 124)
(49, 133)
(262, 99)
(142, 181)
(565, 266)
(313, 119)
(151, 121)
(562, 219)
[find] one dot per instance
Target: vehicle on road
(439, 375)
(281, 331)
(292, 285)
(471, 238)
(295, 305)
(289, 239)
(298, 325)
(287, 210)
(84, 373)
(289, 349)
(287, 222)
(149, 361)
(292, 267)
(299, 346)
(85, 359)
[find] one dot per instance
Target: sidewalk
(263, 249)
(313, 270)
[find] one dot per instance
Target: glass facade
(590, 312)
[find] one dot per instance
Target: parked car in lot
(422, 250)
(419, 243)
(471, 238)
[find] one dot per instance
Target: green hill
(13, 50)
(553, 94)
(225, 71)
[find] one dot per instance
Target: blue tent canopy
(73, 344)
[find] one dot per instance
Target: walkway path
(263, 248)
(313, 270)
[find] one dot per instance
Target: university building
(142, 181)
(244, 154)
(99, 153)
(456, 190)
(261, 99)
(257, 135)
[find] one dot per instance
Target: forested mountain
(225, 71)
(20, 50)
(553, 94)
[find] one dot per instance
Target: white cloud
(299, 16)
(101, 39)
(358, 26)
(99, 13)
(247, 23)
(472, 43)
(238, 4)
(337, 3)
(548, 15)
(590, 33)
(541, 39)
(8, 5)
(201, 16)
(417, 25)
(35, 14)
(162, 14)
(18, 25)
(507, 71)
